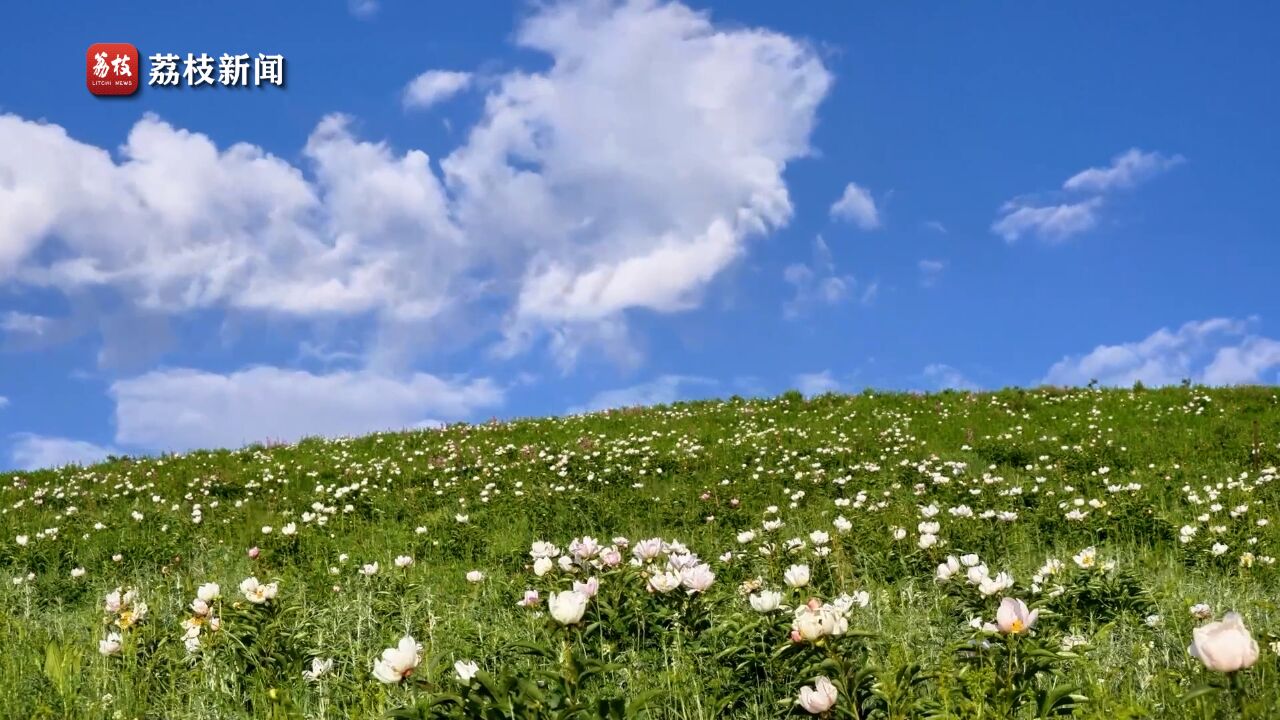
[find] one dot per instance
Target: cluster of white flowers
(203, 615)
(976, 574)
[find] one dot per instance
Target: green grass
(699, 473)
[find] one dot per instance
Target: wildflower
(115, 601)
(646, 550)
(542, 566)
(132, 615)
(819, 698)
(466, 669)
(977, 574)
(567, 607)
(77, 572)
(948, 569)
(1224, 646)
(664, 582)
(111, 645)
(403, 561)
(253, 552)
(289, 529)
(993, 585)
(1086, 558)
(1014, 618)
(1052, 566)
(611, 557)
(542, 549)
(584, 548)
(209, 592)
(257, 593)
(842, 524)
(845, 602)
(398, 663)
(927, 541)
(1201, 611)
(814, 621)
(1071, 642)
(369, 569)
(697, 579)
(796, 576)
(766, 601)
(319, 668)
(530, 599)
(1154, 621)
(588, 588)
(475, 576)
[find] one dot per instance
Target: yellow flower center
(1016, 626)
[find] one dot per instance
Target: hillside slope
(1113, 513)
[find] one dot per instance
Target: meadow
(1023, 553)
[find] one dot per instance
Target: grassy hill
(1173, 489)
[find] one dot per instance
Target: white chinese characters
(200, 69)
(119, 67)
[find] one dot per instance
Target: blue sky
(530, 209)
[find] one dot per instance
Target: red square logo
(112, 69)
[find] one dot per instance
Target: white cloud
(182, 409)
(1126, 170)
(1057, 221)
(1053, 223)
(435, 86)
(33, 452)
(1253, 361)
(363, 8)
(945, 377)
(4, 401)
(633, 170)
(930, 271)
(857, 206)
(1219, 351)
(816, 383)
(627, 175)
(19, 323)
(663, 390)
(179, 224)
(815, 284)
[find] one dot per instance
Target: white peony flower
(1224, 646)
(1014, 618)
(399, 662)
(567, 607)
(111, 645)
(796, 576)
(819, 698)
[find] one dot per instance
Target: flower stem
(1237, 693)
